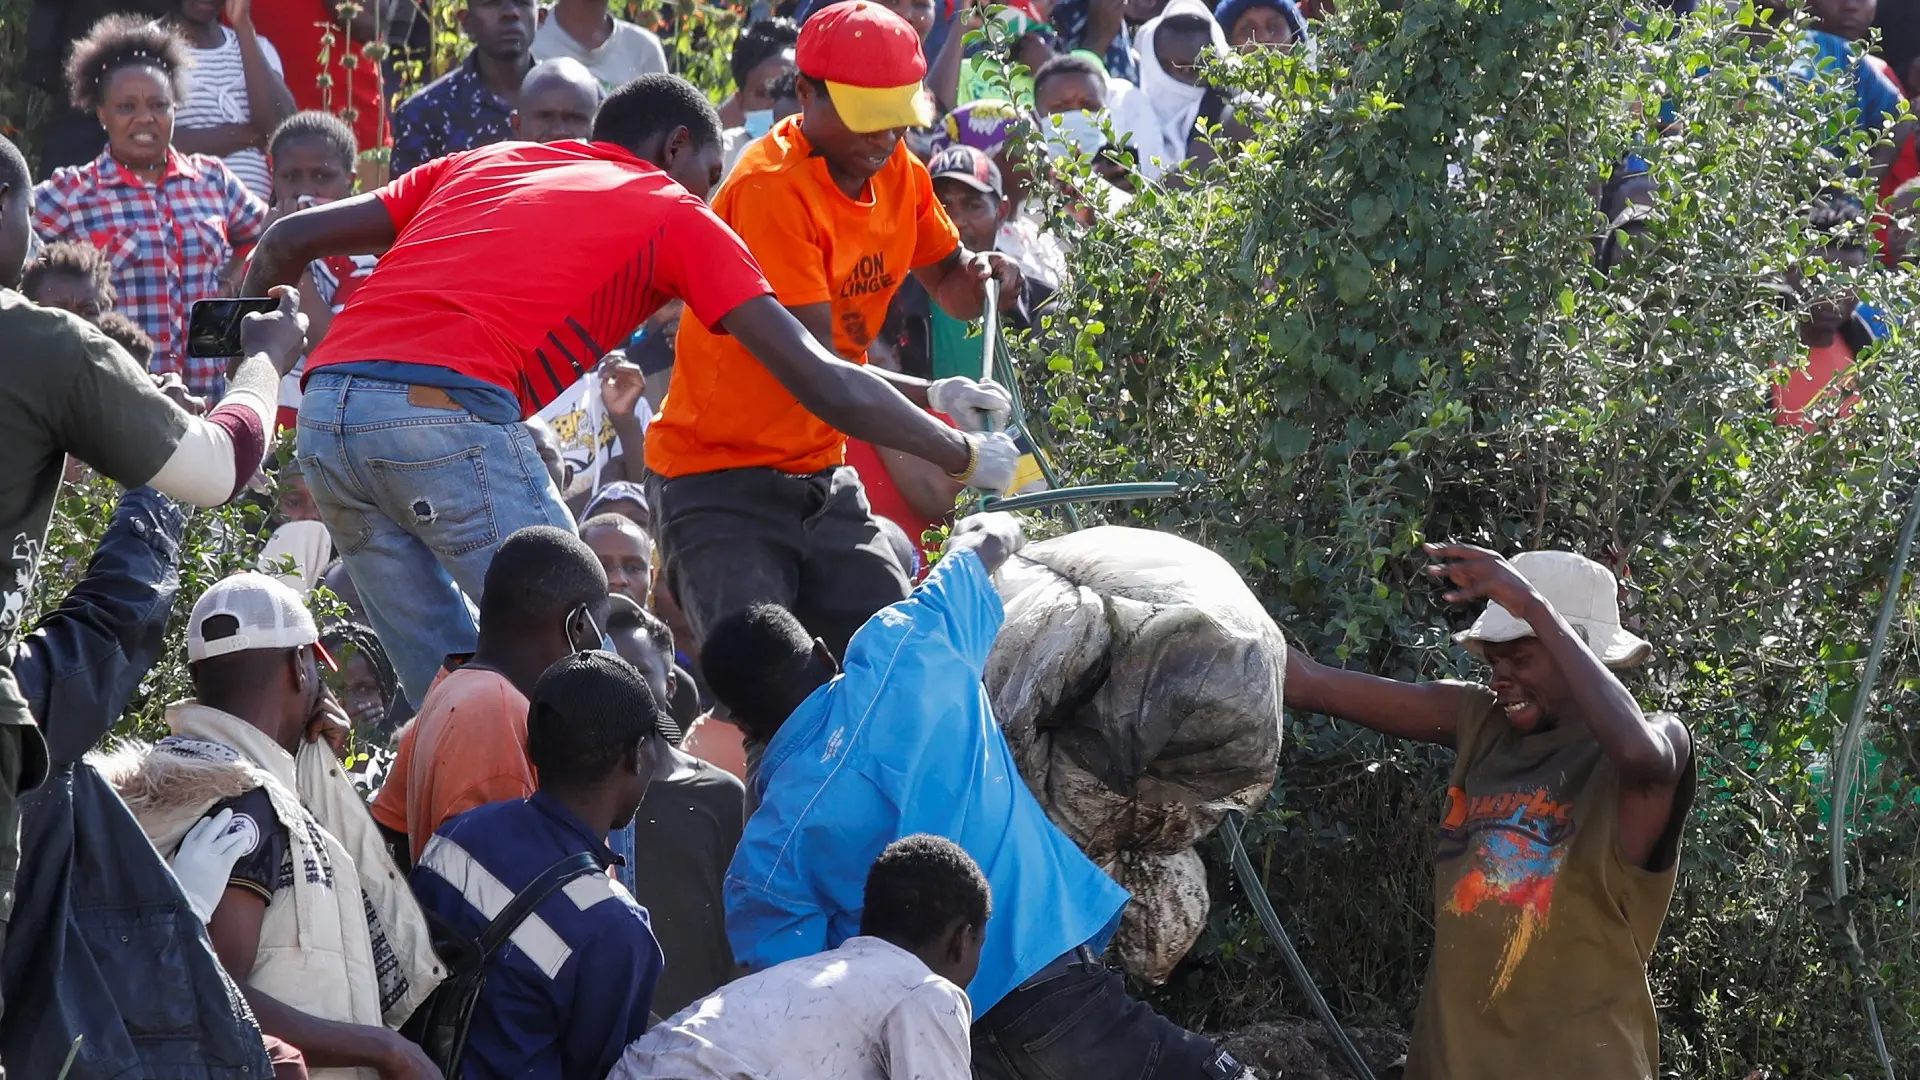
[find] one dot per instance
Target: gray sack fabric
(1139, 684)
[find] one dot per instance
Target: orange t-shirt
(815, 245)
(467, 748)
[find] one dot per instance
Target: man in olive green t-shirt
(1561, 839)
(66, 389)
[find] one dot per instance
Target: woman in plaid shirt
(168, 222)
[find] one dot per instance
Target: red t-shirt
(521, 264)
(883, 495)
(299, 30)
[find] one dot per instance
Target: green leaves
(1352, 278)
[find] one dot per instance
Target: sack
(439, 1026)
(1138, 681)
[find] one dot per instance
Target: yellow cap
(876, 108)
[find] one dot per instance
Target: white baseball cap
(1585, 594)
(270, 616)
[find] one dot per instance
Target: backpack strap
(524, 901)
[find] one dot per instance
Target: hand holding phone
(238, 328)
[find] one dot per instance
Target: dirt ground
(1302, 1050)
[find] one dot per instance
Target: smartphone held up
(213, 327)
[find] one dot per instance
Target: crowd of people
(620, 544)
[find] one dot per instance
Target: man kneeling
(884, 1004)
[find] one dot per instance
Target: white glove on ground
(205, 861)
(997, 460)
(971, 404)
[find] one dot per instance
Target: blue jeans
(418, 495)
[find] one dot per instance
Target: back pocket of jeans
(444, 502)
(143, 967)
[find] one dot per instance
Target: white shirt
(868, 1010)
(628, 53)
(217, 94)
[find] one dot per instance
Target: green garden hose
(1846, 761)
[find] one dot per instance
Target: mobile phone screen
(213, 329)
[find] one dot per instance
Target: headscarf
(1174, 104)
(1229, 11)
(985, 125)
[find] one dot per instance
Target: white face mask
(758, 122)
(1078, 132)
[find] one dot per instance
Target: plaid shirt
(167, 243)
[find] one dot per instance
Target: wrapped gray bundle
(1139, 684)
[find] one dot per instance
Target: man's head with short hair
(558, 100)
(16, 205)
(500, 29)
(664, 120)
(625, 553)
(544, 596)
(761, 663)
(1069, 83)
(71, 276)
(593, 737)
(644, 641)
(253, 651)
(927, 895)
(127, 334)
(312, 154)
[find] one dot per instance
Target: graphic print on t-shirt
(1517, 842)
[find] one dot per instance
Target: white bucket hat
(1585, 593)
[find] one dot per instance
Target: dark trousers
(1075, 1019)
(739, 537)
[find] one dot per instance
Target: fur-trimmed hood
(169, 792)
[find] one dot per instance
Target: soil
(1302, 1050)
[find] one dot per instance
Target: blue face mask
(758, 122)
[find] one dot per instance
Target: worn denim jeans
(418, 498)
(1075, 1019)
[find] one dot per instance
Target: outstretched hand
(993, 536)
(1480, 574)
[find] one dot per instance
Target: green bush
(1381, 323)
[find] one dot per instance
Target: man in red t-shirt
(410, 433)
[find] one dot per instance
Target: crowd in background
(582, 623)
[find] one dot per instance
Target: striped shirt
(217, 94)
(575, 983)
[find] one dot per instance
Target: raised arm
(854, 399)
(357, 226)
(1427, 712)
(1644, 753)
(81, 665)
(268, 100)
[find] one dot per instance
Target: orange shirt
(815, 246)
(467, 748)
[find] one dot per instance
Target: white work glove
(971, 404)
(996, 460)
(205, 861)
